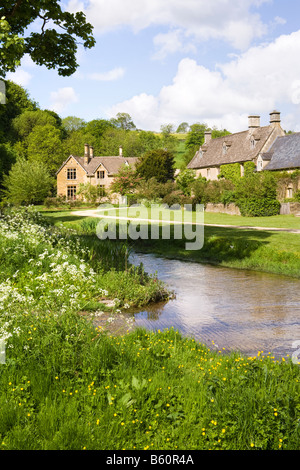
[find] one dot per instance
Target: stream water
(237, 310)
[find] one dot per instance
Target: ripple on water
(239, 310)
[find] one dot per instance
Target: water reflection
(240, 310)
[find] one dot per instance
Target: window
(71, 192)
(259, 164)
(252, 143)
(224, 149)
(208, 172)
(100, 174)
(290, 193)
(71, 173)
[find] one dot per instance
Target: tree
(8, 156)
(183, 128)
(73, 123)
(125, 181)
(158, 164)
(52, 47)
(27, 182)
(195, 137)
(44, 145)
(184, 181)
(167, 129)
(123, 121)
(27, 121)
(17, 101)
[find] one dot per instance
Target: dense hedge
(253, 207)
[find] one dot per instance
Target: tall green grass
(68, 386)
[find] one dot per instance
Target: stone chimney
(275, 118)
(207, 137)
(253, 122)
(86, 153)
(91, 152)
(121, 151)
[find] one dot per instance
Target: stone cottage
(89, 169)
(242, 147)
(284, 155)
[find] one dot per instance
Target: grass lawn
(278, 221)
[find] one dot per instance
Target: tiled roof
(111, 164)
(238, 148)
(284, 153)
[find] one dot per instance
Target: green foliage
(44, 145)
(297, 196)
(182, 128)
(256, 195)
(125, 181)
(254, 207)
(73, 123)
(17, 101)
(12, 47)
(184, 181)
(249, 168)
(150, 191)
(49, 47)
(123, 121)
(260, 185)
(25, 123)
(27, 182)
(8, 156)
(91, 193)
(157, 164)
(195, 137)
(231, 172)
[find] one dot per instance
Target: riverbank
(68, 385)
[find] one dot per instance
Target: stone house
(242, 147)
(284, 155)
(98, 171)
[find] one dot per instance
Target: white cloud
(62, 98)
(202, 19)
(109, 76)
(171, 42)
(258, 80)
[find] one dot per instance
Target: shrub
(254, 207)
(175, 197)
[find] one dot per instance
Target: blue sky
(173, 61)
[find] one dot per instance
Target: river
(225, 308)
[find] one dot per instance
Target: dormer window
(252, 143)
(224, 148)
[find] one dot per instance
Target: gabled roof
(238, 148)
(111, 164)
(284, 153)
